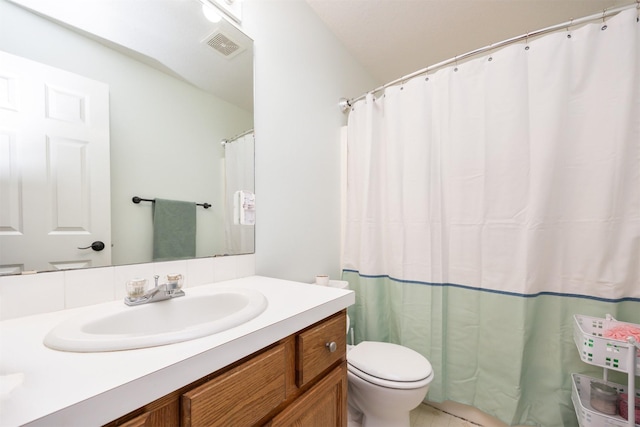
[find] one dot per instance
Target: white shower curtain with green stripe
(488, 203)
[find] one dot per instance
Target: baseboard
(468, 413)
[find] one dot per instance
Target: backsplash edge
(29, 294)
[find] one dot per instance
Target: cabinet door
(240, 397)
(166, 415)
(325, 404)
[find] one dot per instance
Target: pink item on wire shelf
(622, 332)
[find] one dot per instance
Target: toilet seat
(389, 365)
(408, 385)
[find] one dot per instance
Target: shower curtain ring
(456, 62)
(569, 28)
(604, 25)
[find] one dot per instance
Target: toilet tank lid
(389, 361)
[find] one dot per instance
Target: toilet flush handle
(332, 346)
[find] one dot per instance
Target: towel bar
(137, 199)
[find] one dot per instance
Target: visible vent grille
(223, 44)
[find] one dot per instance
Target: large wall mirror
(169, 91)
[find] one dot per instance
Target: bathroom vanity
(285, 367)
(298, 381)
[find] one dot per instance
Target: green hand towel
(174, 230)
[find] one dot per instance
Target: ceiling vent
(223, 44)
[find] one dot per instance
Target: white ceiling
(393, 38)
(390, 38)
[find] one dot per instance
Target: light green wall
(301, 72)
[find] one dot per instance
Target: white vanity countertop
(44, 387)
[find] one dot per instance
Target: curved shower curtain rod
(240, 135)
(345, 103)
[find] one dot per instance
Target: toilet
(386, 381)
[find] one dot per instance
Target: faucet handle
(136, 287)
(174, 281)
(155, 278)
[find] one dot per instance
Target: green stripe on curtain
(510, 355)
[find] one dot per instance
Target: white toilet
(386, 381)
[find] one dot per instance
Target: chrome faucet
(162, 292)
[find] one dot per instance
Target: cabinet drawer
(313, 355)
(241, 396)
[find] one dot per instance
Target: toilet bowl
(386, 381)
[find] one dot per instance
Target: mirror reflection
(132, 99)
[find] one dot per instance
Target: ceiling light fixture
(231, 9)
(210, 12)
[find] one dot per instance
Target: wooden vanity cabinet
(323, 405)
(165, 414)
(314, 348)
(239, 397)
(298, 381)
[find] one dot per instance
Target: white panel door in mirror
(54, 141)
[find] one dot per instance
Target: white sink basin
(119, 327)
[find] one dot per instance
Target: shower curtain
(239, 176)
(489, 202)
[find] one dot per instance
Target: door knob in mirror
(96, 246)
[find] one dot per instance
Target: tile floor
(428, 416)
(423, 416)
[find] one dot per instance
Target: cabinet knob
(332, 346)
